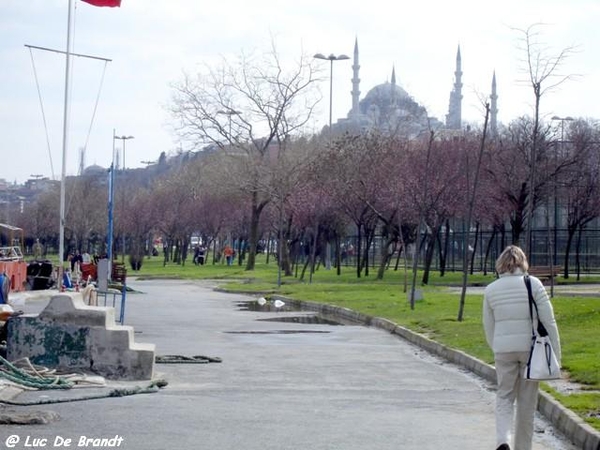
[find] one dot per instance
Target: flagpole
(61, 246)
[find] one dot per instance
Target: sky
(152, 43)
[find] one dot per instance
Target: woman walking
(507, 324)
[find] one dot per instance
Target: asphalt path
(283, 383)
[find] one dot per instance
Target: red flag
(110, 3)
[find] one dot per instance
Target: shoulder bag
(542, 363)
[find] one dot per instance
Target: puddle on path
(254, 305)
(307, 317)
(282, 315)
(277, 332)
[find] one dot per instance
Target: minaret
(393, 90)
(355, 83)
(454, 116)
(494, 108)
(81, 161)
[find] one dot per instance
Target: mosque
(389, 109)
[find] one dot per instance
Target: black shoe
(503, 447)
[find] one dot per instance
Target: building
(389, 109)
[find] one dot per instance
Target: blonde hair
(510, 259)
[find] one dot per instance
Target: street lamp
(562, 143)
(562, 126)
(331, 58)
(229, 112)
(123, 139)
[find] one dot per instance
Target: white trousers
(512, 388)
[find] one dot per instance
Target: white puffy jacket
(506, 318)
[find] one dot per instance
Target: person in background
(228, 253)
(507, 325)
(201, 255)
(38, 249)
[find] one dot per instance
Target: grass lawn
(435, 316)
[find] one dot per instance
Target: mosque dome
(389, 99)
(94, 170)
(386, 90)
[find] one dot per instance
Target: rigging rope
(37, 84)
(81, 160)
(95, 106)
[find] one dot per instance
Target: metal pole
(328, 244)
(123, 200)
(330, 94)
(61, 245)
(561, 147)
(111, 195)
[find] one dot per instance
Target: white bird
(278, 303)
(262, 301)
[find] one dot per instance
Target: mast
(61, 246)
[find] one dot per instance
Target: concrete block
(70, 335)
(70, 308)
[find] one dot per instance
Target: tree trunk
(385, 258)
(474, 247)
(429, 253)
(488, 249)
(570, 234)
(577, 253)
(254, 225)
(445, 249)
(358, 252)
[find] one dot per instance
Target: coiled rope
(42, 378)
(36, 377)
(33, 378)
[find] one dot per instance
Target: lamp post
(123, 139)
(562, 143)
(111, 202)
(331, 58)
(229, 112)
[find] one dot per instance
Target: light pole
(123, 139)
(229, 112)
(331, 58)
(562, 143)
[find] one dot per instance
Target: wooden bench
(544, 272)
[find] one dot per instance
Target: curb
(563, 419)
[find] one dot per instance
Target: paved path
(281, 385)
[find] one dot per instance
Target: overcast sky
(151, 42)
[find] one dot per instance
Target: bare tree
(246, 109)
(472, 190)
(580, 184)
(543, 71)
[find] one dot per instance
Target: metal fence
(589, 252)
